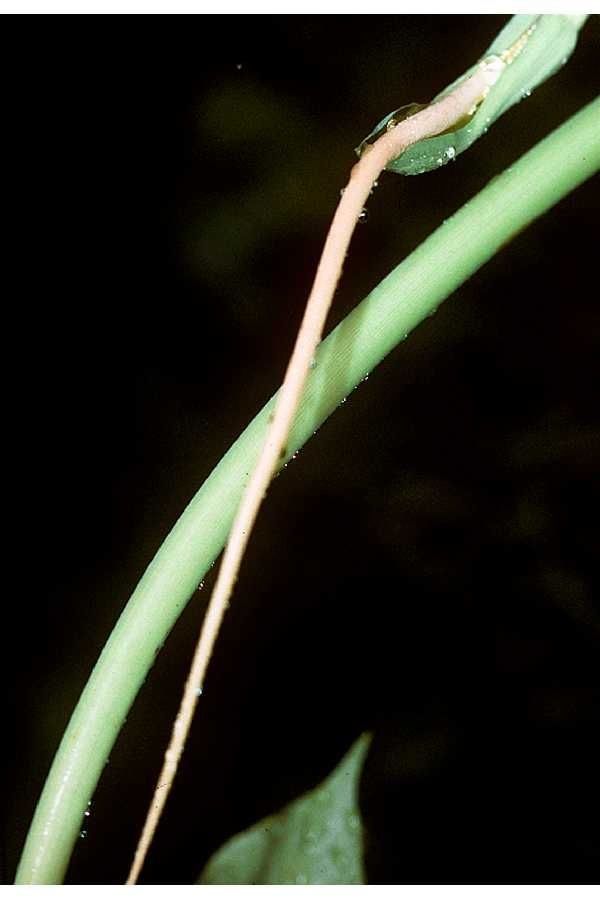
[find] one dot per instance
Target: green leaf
(541, 45)
(317, 839)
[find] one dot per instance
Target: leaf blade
(545, 50)
(316, 839)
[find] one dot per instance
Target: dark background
(425, 567)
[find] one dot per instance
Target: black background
(424, 568)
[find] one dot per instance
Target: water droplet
(492, 67)
(83, 833)
(354, 822)
(450, 152)
(313, 363)
(199, 691)
(404, 112)
(439, 160)
(363, 216)
(311, 841)
(201, 585)
(524, 94)
(239, 67)
(342, 191)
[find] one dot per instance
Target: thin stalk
(436, 118)
(412, 291)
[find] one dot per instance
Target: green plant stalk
(410, 293)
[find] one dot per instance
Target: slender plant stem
(413, 290)
(433, 120)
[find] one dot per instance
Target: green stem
(412, 291)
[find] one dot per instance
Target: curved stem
(413, 290)
(433, 120)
